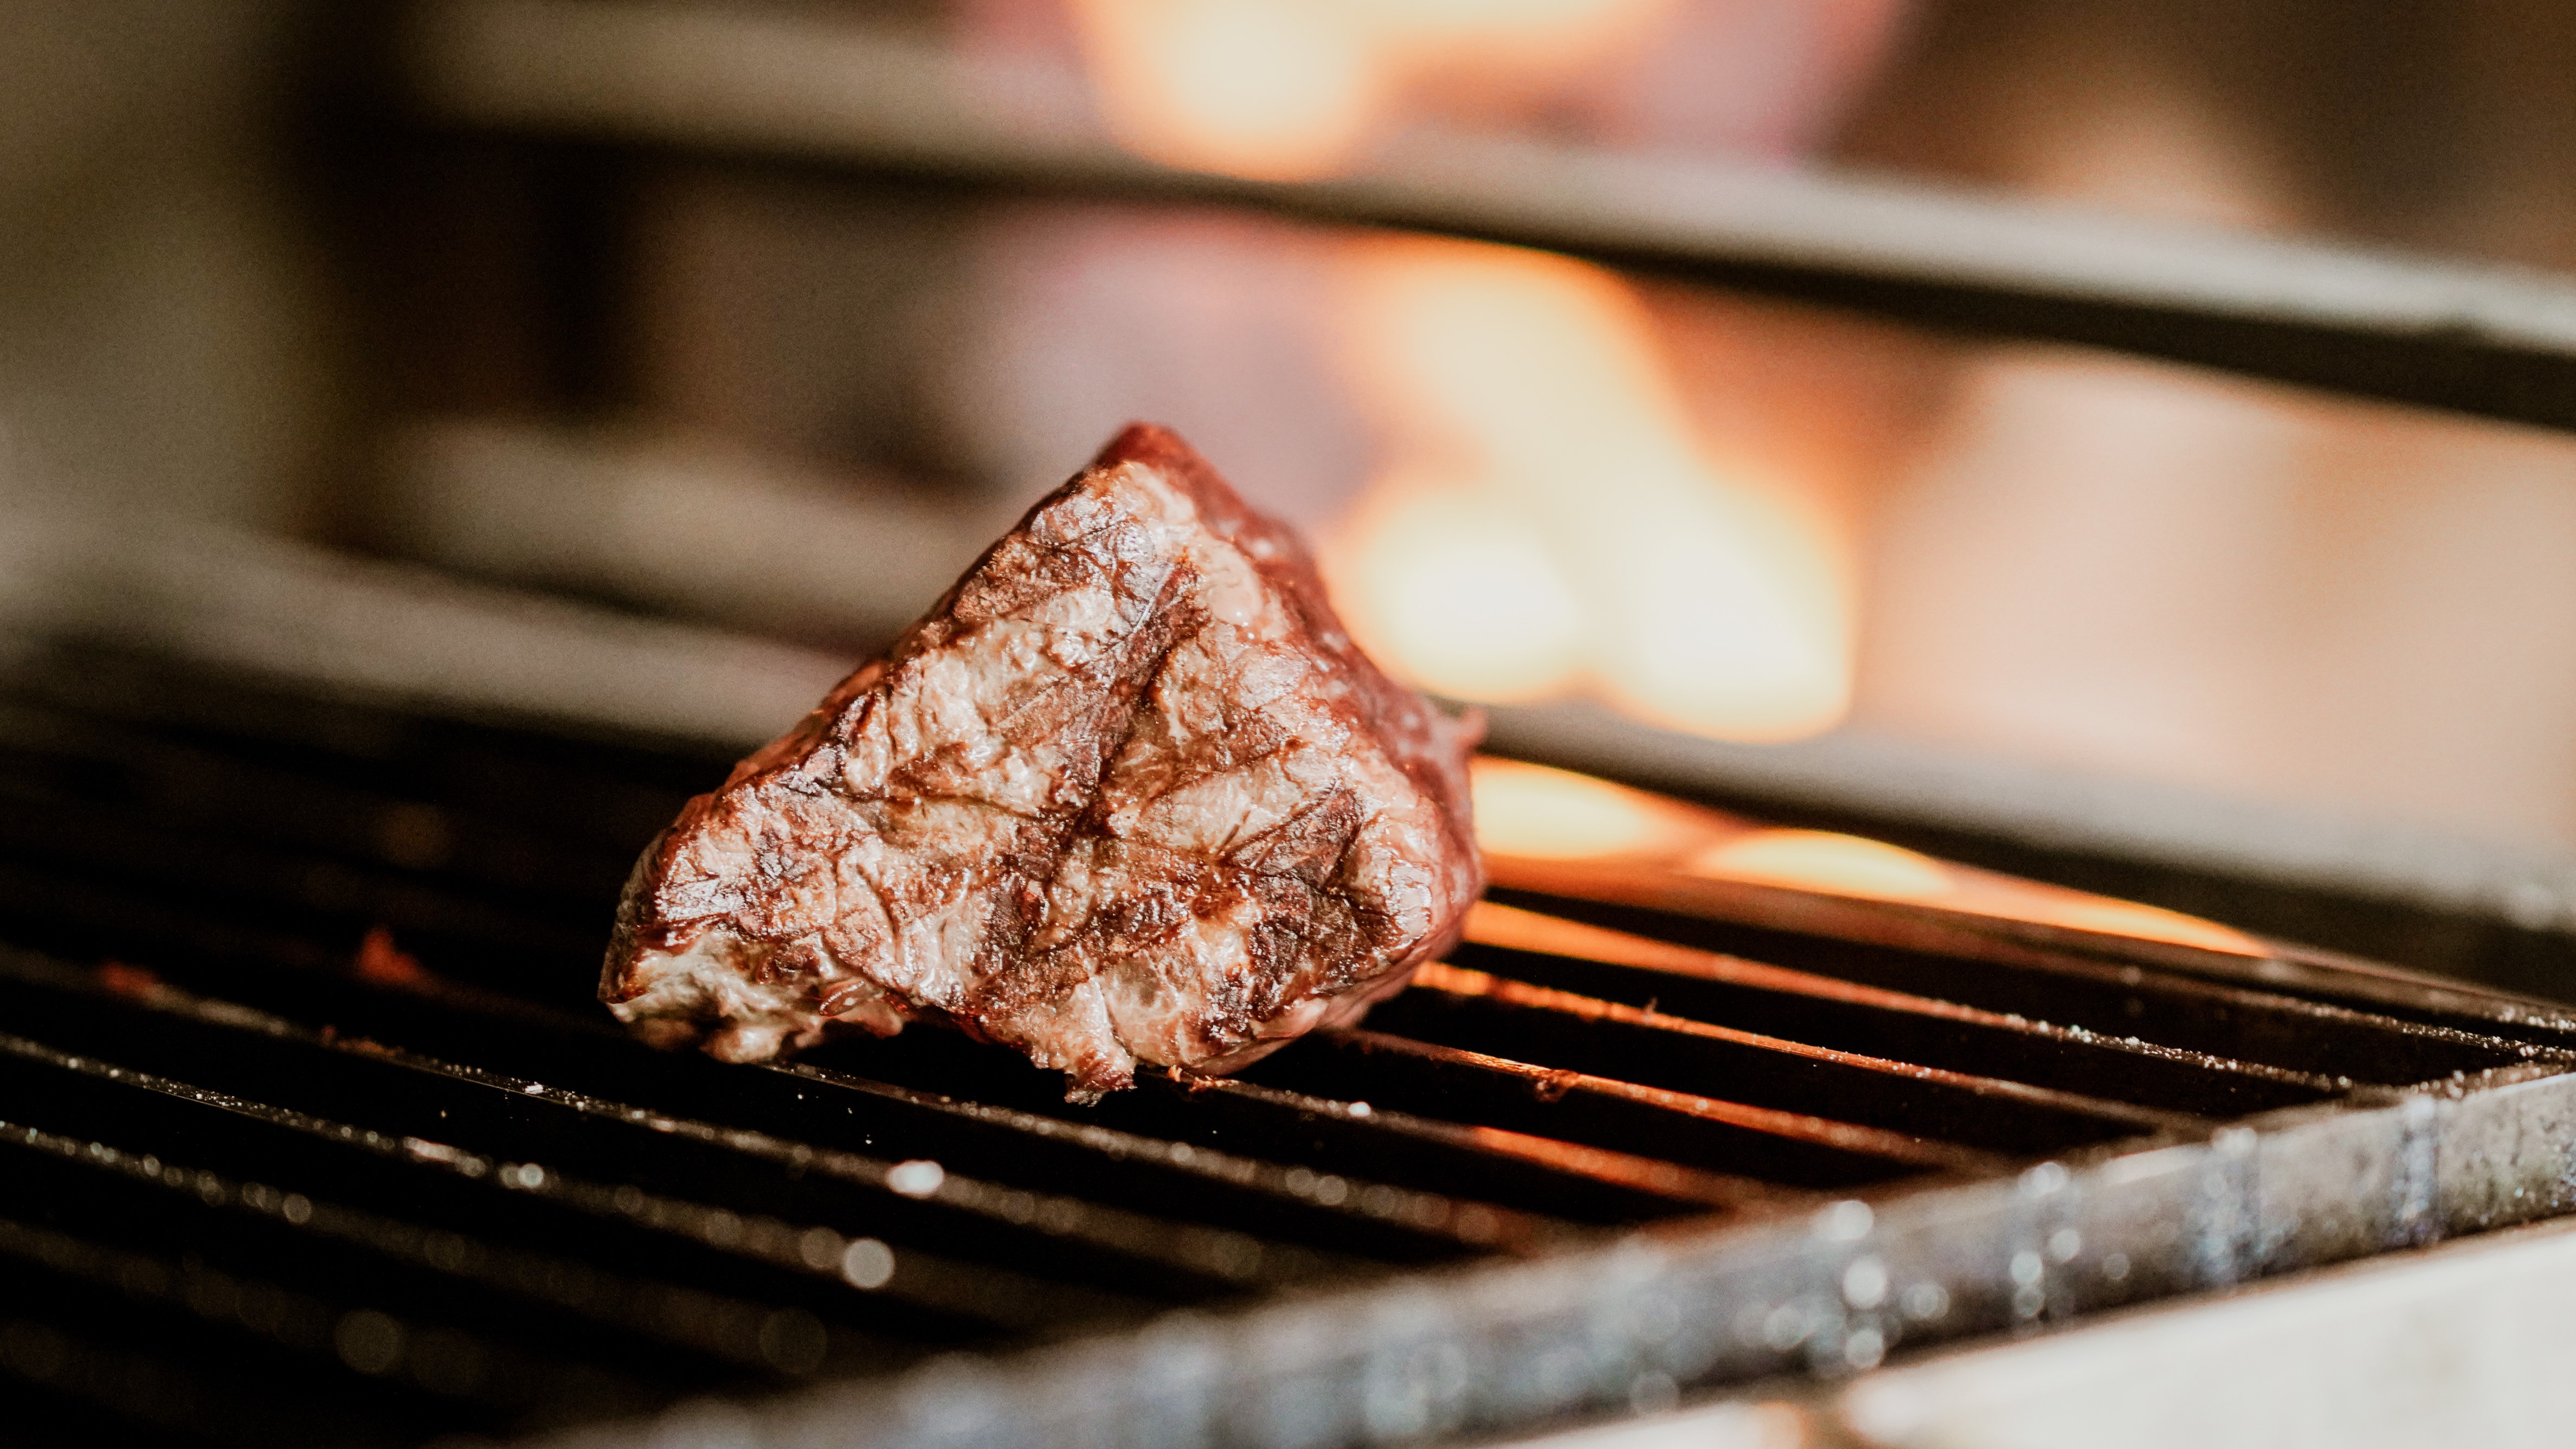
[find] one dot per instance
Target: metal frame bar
(2489, 341)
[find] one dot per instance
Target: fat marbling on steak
(1129, 791)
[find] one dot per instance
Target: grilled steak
(1128, 792)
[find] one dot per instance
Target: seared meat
(1129, 791)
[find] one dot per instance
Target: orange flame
(1252, 87)
(1824, 861)
(1551, 522)
(1290, 88)
(1560, 526)
(1530, 817)
(1538, 813)
(1459, 588)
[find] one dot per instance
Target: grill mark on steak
(1127, 791)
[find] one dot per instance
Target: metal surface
(2460, 1343)
(314, 1134)
(2489, 341)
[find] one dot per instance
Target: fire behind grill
(313, 1134)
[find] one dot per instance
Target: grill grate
(312, 1133)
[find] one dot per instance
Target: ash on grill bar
(1794, 1083)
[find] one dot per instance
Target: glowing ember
(380, 960)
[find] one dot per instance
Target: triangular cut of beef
(1128, 792)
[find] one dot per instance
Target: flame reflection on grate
(1539, 825)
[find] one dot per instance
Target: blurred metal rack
(2489, 341)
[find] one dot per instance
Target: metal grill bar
(1885, 949)
(1466, 1152)
(492, 1108)
(1471, 1224)
(637, 1319)
(232, 1079)
(171, 1115)
(1635, 1044)
(1437, 1080)
(1614, 966)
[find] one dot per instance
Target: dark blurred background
(270, 273)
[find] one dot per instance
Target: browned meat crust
(1128, 791)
